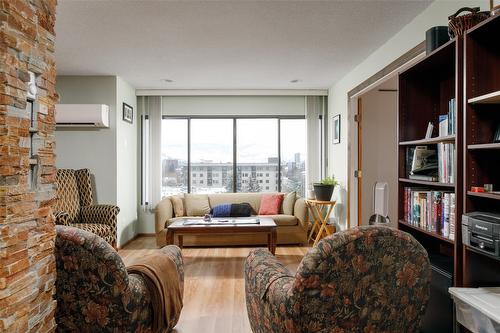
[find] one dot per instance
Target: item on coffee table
(207, 218)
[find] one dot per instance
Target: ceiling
(224, 44)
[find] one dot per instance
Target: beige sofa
(292, 222)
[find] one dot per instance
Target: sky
(212, 139)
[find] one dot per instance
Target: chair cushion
(197, 204)
(270, 204)
(283, 220)
(288, 203)
(68, 197)
(101, 230)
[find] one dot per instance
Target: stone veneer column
(27, 179)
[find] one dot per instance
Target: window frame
(235, 148)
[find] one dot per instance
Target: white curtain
(151, 111)
(315, 117)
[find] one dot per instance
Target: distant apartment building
(210, 177)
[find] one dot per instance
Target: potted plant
(324, 189)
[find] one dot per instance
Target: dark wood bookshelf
(491, 98)
(436, 140)
(426, 232)
(427, 183)
(484, 146)
(484, 195)
(481, 158)
(425, 90)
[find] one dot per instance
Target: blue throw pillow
(222, 210)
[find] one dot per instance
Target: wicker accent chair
(94, 291)
(75, 207)
(364, 280)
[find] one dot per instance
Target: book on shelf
(448, 122)
(446, 162)
(433, 211)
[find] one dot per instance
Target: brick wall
(27, 168)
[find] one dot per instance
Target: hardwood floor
(214, 289)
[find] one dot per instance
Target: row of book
(447, 122)
(432, 211)
(431, 163)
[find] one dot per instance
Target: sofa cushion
(178, 204)
(283, 220)
(288, 203)
(197, 204)
(270, 204)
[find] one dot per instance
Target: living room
(249, 166)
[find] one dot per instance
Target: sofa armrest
(62, 218)
(164, 211)
(103, 214)
(300, 212)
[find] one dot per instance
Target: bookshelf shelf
(484, 146)
(428, 233)
(484, 195)
(427, 183)
(441, 139)
(491, 98)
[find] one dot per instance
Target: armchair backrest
(89, 272)
(73, 191)
(364, 275)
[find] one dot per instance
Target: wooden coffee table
(266, 225)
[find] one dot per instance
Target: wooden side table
(320, 212)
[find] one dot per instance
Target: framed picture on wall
(128, 113)
(336, 129)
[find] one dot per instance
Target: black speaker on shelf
(435, 37)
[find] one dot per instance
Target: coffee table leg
(181, 241)
(170, 237)
(272, 241)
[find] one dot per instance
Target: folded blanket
(232, 210)
(162, 280)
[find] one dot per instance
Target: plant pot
(323, 192)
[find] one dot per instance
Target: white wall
(407, 38)
(126, 161)
(90, 148)
(233, 105)
(379, 156)
(109, 153)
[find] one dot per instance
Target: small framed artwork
(336, 129)
(128, 113)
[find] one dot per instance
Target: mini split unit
(82, 115)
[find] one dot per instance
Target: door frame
(353, 147)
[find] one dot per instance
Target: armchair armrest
(104, 214)
(262, 269)
(62, 218)
(300, 212)
(175, 254)
(270, 304)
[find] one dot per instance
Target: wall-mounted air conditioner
(82, 115)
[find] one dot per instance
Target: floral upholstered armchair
(75, 206)
(95, 293)
(366, 280)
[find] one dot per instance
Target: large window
(233, 155)
(257, 155)
(174, 156)
(293, 153)
(211, 155)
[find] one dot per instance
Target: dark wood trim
(402, 60)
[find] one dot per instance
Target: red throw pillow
(270, 204)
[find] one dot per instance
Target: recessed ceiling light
(168, 80)
(295, 81)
